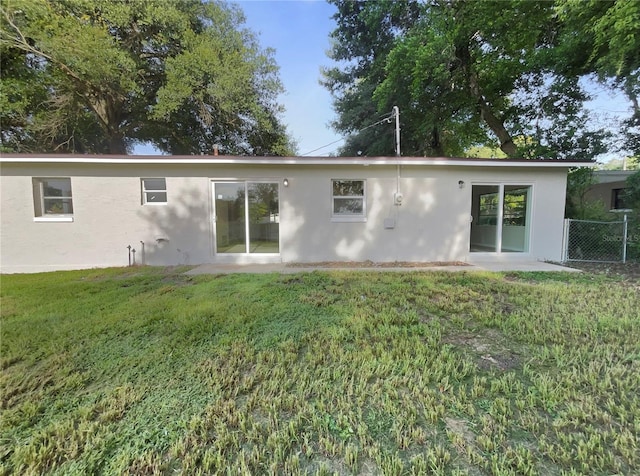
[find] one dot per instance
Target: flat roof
(251, 160)
(612, 176)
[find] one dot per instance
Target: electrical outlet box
(397, 198)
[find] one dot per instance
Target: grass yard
(148, 371)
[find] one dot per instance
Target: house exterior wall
(432, 224)
(607, 182)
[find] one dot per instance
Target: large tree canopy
(467, 74)
(99, 76)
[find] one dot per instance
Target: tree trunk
(436, 146)
(496, 125)
(109, 112)
(117, 145)
(486, 113)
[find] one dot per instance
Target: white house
(83, 211)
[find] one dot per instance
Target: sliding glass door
(515, 219)
(247, 217)
(230, 206)
(500, 218)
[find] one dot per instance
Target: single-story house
(609, 188)
(82, 211)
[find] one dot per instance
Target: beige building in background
(71, 212)
(609, 188)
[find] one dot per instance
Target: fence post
(624, 238)
(565, 240)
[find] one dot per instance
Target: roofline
(614, 172)
(250, 160)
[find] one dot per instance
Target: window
(348, 200)
(154, 191)
(52, 199)
(620, 200)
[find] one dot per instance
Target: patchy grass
(147, 371)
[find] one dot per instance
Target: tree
(579, 181)
(633, 191)
(601, 37)
(365, 33)
(100, 76)
(464, 74)
(627, 163)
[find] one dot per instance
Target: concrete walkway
(282, 268)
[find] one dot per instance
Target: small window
(620, 200)
(154, 191)
(348, 200)
(52, 198)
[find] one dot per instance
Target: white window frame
(145, 191)
(355, 217)
(39, 208)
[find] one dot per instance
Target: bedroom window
(52, 199)
(154, 191)
(348, 199)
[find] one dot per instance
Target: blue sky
(299, 32)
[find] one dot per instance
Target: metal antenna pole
(396, 113)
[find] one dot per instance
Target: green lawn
(148, 371)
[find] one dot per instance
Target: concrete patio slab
(521, 266)
(485, 265)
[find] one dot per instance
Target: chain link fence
(633, 238)
(598, 241)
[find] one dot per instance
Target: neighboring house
(68, 212)
(609, 188)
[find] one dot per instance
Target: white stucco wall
(431, 225)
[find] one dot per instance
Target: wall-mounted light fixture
(285, 182)
(460, 183)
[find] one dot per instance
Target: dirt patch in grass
(461, 428)
(629, 272)
(374, 264)
(488, 349)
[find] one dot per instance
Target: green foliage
(481, 74)
(149, 371)
(633, 232)
(633, 190)
(628, 163)
(600, 37)
(100, 76)
(485, 152)
(579, 180)
(608, 40)
(365, 33)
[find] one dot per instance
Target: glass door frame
(247, 223)
(500, 218)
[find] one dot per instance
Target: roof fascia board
(325, 161)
